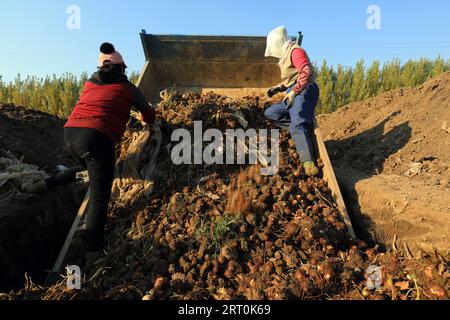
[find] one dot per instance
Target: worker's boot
(310, 168)
(37, 187)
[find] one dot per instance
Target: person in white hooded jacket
(297, 110)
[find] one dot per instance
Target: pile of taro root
(228, 232)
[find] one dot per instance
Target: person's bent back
(107, 98)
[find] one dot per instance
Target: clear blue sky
(35, 40)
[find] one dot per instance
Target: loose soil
(33, 227)
(391, 156)
(227, 232)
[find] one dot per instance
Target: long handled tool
(55, 272)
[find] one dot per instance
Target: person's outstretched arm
(144, 107)
(302, 64)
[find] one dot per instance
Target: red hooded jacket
(105, 105)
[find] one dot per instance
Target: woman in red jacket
(96, 124)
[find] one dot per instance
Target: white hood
(277, 42)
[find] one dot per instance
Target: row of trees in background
(52, 94)
(342, 85)
(339, 86)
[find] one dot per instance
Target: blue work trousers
(298, 119)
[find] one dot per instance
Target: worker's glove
(310, 168)
(273, 91)
(289, 98)
(140, 118)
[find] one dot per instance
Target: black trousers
(96, 153)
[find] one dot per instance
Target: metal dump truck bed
(231, 65)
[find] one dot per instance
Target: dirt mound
(37, 136)
(391, 155)
(32, 227)
(227, 232)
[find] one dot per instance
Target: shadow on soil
(360, 157)
(32, 233)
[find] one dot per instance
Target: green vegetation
(216, 233)
(339, 86)
(52, 94)
(344, 85)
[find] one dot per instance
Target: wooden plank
(330, 177)
(65, 248)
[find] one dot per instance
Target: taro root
(216, 266)
(281, 236)
(362, 245)
(326, 211)
(176, 230)
(290, 260)
(160, 283)
(276, 191)
(428, 271)
(313, 261)
(263, 236)
(268, 245)
(371, 254)
(205, 268)
(331, 219)
(330, 251)
(251, 219)
(269, 267)
(221, 259)
(231, 123)
(390, 264)
(270, 221)
(200, 206)
(326, 270)
(437, 290)
(150, 296)
(230, 272)
(279, 270)
(278, 255)
(172, 269)
(253, 269)
(233, 243)
(158, 234)
(185, 264)
(179, 283)
(279, 243)
(229, 252)
(355, 259)
(320, 163)
(173, 245)
(264, 198)
(291, 143)
(253, 193)
(340, 226)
